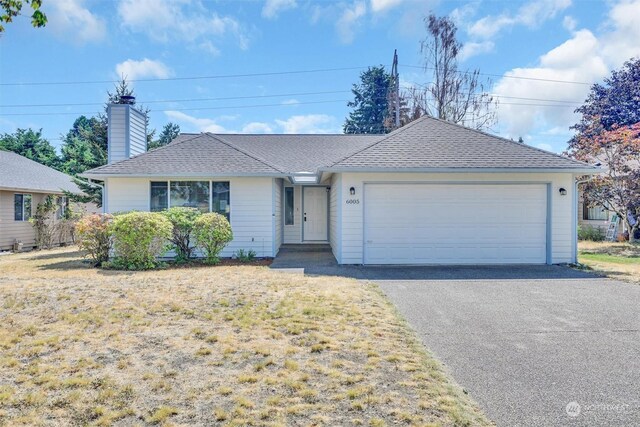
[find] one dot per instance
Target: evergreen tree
(32, 145)
(169, 132)
(370, 102)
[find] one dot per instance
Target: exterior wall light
(562, 192)
(352, 190)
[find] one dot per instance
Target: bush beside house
(135, 240)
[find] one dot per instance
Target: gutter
(582, 171)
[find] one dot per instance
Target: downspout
(104, 197)
(575, 215)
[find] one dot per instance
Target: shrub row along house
(431, 192)
(23, 185)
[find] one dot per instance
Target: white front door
(315, 212)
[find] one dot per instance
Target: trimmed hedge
(94, 236)
(139, 238)
(212, 232)
(183, 221)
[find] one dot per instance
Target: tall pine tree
(370, 103)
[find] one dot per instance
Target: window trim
(211, 185)
(293, 204)
(22, 215)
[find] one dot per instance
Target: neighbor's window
(596, 213)
(63, 205)
(190, 194)
(288, 206)
(159, 195)
(22, 207)
(221, 198)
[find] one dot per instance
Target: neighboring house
(431, 192)
(23, 184)
(593, 216)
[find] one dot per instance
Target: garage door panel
(455, 224)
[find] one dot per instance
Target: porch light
(352, 191)
(562, 191)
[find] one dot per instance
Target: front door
(315, 213)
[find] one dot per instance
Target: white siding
(562, 210)
(117, 133)
(334, 215)
(137, 133)
(251, 208)
(293, 233)
(277, 214)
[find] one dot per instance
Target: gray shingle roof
(429, 143)
(18, 172)
(200, 155)
(424, 144)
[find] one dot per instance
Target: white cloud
(194, 123)
(272, 8)
(569, 23)
(349, 21)
(383, 5)
(181, 21)
(584, 57)
(70, 19)
(470, 49)
(132, 69)
(257, 127)
(544, 146)
(311, 123)
(531, 15)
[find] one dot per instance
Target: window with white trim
(288, 206)
(63, 206)
(22, 207)
(208, 196)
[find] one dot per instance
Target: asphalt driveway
(552, 349)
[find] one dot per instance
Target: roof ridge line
(384, 137)
(245, 152)
(520, 144)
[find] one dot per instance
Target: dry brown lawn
(618, 260)
(209, 346)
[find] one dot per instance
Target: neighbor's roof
(19, 173)
(423, 145)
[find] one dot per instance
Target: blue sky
(518, 43)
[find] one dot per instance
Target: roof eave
(583, 171)
(102, 176)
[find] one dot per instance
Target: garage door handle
(305, 217)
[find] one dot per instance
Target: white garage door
(455, 224)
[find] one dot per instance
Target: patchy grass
(209, 346)
(618, 260)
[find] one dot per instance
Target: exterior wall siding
(293, 233)
(137, 133)
(277, 215)
(12, 230)
(334, 216)
(117, 131)
(351, 221)
(251, 208)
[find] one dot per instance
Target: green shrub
(183, 221)
(44, 222)
(93, 233)
(212, 232)
(245, 256)
(139, 238)
(589, 232)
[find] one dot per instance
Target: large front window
(21, 207)
(190, 194)
(208, 196)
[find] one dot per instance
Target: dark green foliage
(9, 9)
(32, 145)
(245, 256)
(616, 102)
(169, 132)
(370, 102)
(589, 232)
(183, 221)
